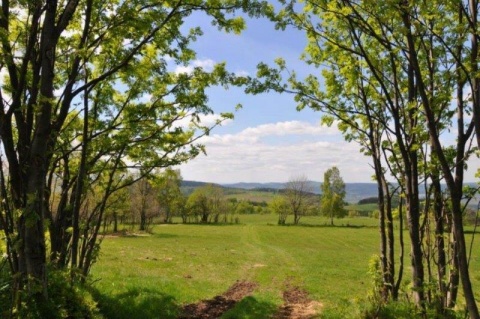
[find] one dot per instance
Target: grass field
(152, 276)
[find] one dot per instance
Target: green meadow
(154, 275)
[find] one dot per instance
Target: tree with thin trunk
(332, 199)
(167, 186)
(298, 194)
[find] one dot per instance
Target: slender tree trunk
(383, 236)
(143, 219)
(462, 258)
(438, 210)
(413, 210)
(454, 278)
(115, 222)
(402, 246)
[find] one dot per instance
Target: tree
(206, 203)
(333, 195)
(118, 208)
(279, 205)
(94, 71)
(144, 204)
(298, 194)
(167, 186)
(244, 208)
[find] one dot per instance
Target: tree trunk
(413, 210)
(462, 258)
(115, 222)
(438, 210)
(454, 278)
(143, 219)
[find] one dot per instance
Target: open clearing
(251, 270)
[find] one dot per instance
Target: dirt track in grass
(297, 304)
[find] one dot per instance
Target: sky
(268, 140)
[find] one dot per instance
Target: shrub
(65, 300)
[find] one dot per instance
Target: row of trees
(159, 197)
(400, 78)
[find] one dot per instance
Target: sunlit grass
(187, 263)
(152, 276)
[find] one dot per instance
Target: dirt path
(297, 304)
(214, 308)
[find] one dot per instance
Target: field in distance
(156, 275)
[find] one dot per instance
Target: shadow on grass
(137, 304)
(323, 225)
(157, 234)
(250, 308)
(215, 224)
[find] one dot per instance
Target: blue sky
(268, 141)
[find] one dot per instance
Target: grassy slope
(153, 276)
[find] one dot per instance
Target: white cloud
(255, 134)
(207, 65)
(255, 155)
(289, 128)
(242, 73)
(275, 152)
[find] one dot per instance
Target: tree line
(158, 198)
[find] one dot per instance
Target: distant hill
(255, 185)
(194, 184)
(355, 191)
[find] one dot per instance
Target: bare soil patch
(214, 308)
(297, 305)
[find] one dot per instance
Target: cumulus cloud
(282, 129)
(256, 154)
(289, 128)
(275, 152)
(206, 64)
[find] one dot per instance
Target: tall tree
(332, 200)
